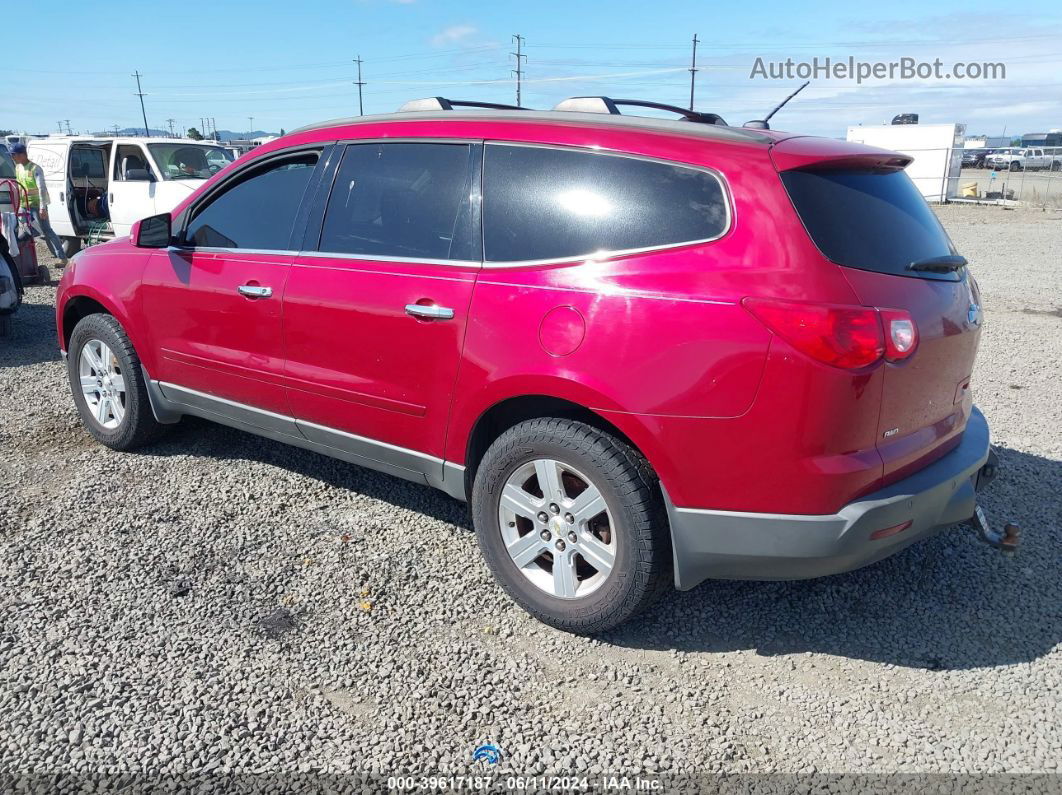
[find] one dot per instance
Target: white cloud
(455, 34)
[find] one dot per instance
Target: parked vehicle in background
(99, 187)
(975, 158)
(646, 351)
(1023, 159)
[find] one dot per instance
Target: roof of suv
(646, 123)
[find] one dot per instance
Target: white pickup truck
(99, 187)
(1023, 160)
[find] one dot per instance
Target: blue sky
(289, 63)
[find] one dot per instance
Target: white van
(99, 187)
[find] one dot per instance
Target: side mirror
(153, 232)
(138, 175)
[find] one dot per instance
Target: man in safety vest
(31, 178)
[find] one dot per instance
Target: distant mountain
(224, 135)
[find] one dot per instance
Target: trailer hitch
(1005, 540)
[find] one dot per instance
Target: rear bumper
(760, 546)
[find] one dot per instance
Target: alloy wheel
(102, 383)
(557, 528)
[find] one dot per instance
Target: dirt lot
(141, 634)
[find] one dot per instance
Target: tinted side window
(542, 203)
(258, 210)
(401, 200)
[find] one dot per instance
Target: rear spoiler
(805, 152)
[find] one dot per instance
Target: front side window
(406, 200)
(544, 203)
(129, 158)
(258, 210)
(189, 161)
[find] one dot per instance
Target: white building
(936, 149)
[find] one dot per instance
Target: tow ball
(1005, 540)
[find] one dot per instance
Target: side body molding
(169, 402)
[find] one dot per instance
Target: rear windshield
(875, 221)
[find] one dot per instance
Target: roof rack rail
(610, 105)
(442, 103)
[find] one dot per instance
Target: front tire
(571, 524)
(108, 384)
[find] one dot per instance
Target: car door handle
(255, 291)
(430, 312)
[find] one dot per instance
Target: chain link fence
(1025, 175)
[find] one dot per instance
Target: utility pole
(170, 122)
(140, 94)
(68, 131)
(693, 69)
(115, 128)
(60, 123)
(518, 71)
(214, 127)
(359, 83)
(251, 133)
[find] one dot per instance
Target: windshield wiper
(943, 264)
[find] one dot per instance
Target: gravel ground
(219, 603)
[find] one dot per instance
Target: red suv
(642, 349)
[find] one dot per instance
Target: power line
(359, 83)
(693, 69)
(140, 94)
(518, 71)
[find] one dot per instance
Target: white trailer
(936, 149)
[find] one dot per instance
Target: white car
(99, 187)
(1022, 159)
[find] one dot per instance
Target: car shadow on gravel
(26, 344)
(195, 436)
(947, 603)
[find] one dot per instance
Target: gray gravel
(222, 603)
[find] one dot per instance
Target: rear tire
(603, 554)
(108, 385)
(71, 245)
(1015, 166)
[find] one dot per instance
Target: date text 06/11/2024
(473, 783)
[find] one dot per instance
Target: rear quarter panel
(661, 344)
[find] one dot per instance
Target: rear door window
(872, 220)
(401, 200)
(546, 203)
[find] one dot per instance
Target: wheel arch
(77, 307)
(508, 412)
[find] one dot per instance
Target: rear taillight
(901, 334)
(849, 337)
